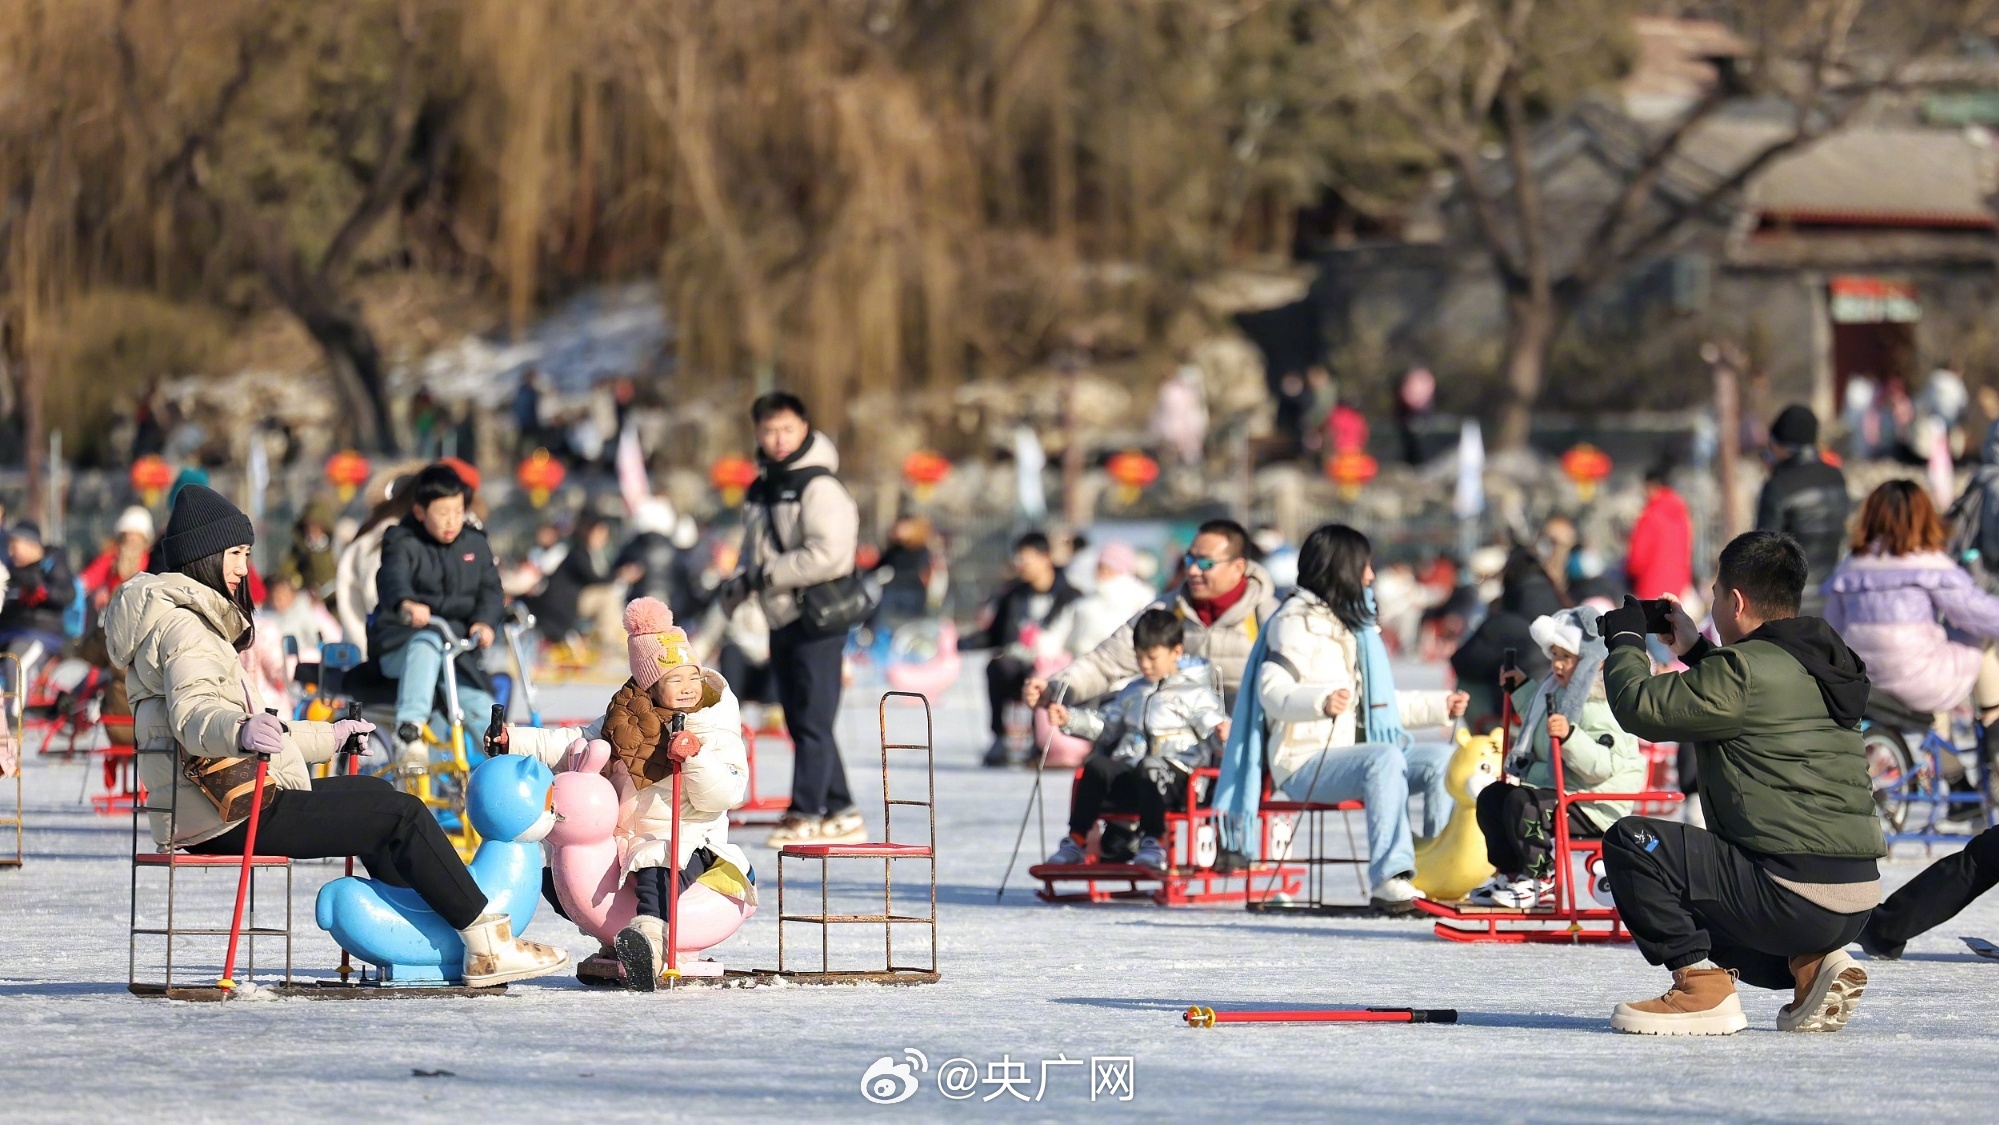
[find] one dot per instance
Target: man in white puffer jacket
(1223, 600)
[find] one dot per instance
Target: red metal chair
(148, 857)
(888, 850)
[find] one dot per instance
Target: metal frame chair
(888, 851)
(173, 860)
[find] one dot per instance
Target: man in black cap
(1806, 499)
(40, 589)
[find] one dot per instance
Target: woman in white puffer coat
(1310, 686)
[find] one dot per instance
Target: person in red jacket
(1661, 558)
(125, 556)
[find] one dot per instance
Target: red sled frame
(1193, 843)
(757, 810)
(1567, 922)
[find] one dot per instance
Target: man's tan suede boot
(1701, 1002)
(1828, 989)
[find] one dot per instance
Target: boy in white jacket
(708, 752)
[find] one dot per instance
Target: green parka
(1779, 775)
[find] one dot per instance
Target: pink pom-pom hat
(653, 641)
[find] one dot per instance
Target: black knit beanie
(202, 524)
(1797, 426)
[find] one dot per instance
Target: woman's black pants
(393, 835)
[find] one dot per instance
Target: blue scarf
(1377, 686)
(1240, 788)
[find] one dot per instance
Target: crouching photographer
(1785, 874)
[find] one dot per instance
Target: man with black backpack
(800, 527)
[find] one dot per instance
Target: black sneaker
(1230, 862)
(996, 754)
(1878, 949)
(408, 732)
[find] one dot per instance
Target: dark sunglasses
(1198, 562)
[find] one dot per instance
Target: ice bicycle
(1911, 766)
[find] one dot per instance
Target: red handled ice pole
(678, 724)
(1198, 1016)
(228, 981)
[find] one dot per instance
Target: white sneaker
(494, 956)
(843, 827)
(412, 756)
(1481, 895)
(1395, 895)
(795, 828)
(1525, 894)
(1151, 854)
(1069, 854)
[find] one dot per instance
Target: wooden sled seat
(188, 859)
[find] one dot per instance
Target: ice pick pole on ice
(1199, 1016)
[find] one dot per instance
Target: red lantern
(732, 476)
(925, 469)
(1350, 470)
(541, 475)
(1132, 471)
(1586, 465)
(347, 471)
(150, 477)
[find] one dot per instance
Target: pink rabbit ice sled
(588, 861)
(642, 793)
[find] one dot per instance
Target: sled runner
(1981, 947)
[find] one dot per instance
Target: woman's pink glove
(348, 728)
(261, 734)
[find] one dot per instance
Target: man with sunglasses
(1223, 599)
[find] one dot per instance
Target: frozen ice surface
(1022, 981)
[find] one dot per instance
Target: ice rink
(1024, 984)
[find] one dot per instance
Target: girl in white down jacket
(708, 752)
(1310, 689)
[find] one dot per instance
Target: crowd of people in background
(1166, 660)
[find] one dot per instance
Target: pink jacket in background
(1917, 620)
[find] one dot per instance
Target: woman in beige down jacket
(180, 636)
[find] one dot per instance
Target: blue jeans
(1382, 776)
(416, 666)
